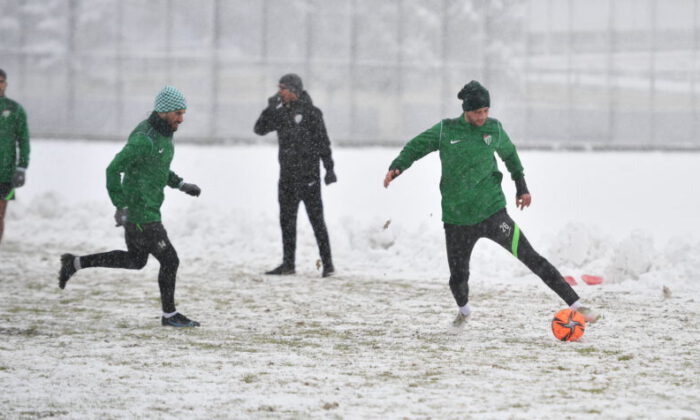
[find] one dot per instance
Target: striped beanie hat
(169, 99)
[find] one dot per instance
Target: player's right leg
(6, 194)
(134, 259)
(159, 245)
(3, 208)
(460, 241)
(288, 197)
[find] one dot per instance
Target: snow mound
(633, 257)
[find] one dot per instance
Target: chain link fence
(609, 74)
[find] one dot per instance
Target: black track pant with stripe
(501, 229)
(290, 195)
(142, 240)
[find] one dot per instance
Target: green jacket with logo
(145, 165)
(471, 182)
(14, 133)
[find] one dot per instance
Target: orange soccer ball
(568, 325)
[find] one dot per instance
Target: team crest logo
(6, 113)
(298, 118)
(487, 139)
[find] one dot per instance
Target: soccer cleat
(178, 320)
(589, 314)
(328, 270)
(460, 320)
(67, 269)
(282, 270)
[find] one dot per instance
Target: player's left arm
(23, 139)
(323, 144)
(509, 155)
(175, 181)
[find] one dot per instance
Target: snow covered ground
(375, 341)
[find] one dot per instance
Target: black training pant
(501, 229)
(142, 240)
(289, 195)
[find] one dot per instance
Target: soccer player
(14, 134)
(473, 203)
(303, 141)
(138, 195)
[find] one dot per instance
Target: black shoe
(67, 269)
(282, 270)
(328, 270)
(178, 320)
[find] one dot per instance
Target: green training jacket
(14, 132)
(145, 165)
(471, 182)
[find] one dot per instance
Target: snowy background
(376, 340)
(611, 74)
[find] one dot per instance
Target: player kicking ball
(473, 203)
(136, 179)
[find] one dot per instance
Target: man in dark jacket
(136, 178)
(303, 141)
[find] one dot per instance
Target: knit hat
(292, 82)
(474, 96)
(169, 99)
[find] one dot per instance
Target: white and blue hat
(170, 99)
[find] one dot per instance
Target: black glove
(330, 177)
(19, 177)
(274, 101)
(190, 189)
(521, 187)
(120, 216)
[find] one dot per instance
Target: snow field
(374, 341)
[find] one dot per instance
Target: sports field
(376, 340)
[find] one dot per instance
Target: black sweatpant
(501, 229)
(142, 240)
(289, 195)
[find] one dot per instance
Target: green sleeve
(23, 138)
(508, 154)
(424, 143)
(120, 164)
(174, 180)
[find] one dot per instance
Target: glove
(521, 187)
(274, 101)
(120, 216)
(330, 177)
(190, 189)
(19, 177)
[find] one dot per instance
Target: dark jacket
(302, 136)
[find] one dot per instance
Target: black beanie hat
(474, 96)
(292, 82)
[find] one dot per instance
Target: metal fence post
(215, 69)
(119, 85)
(71, 57)
(353, 69)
